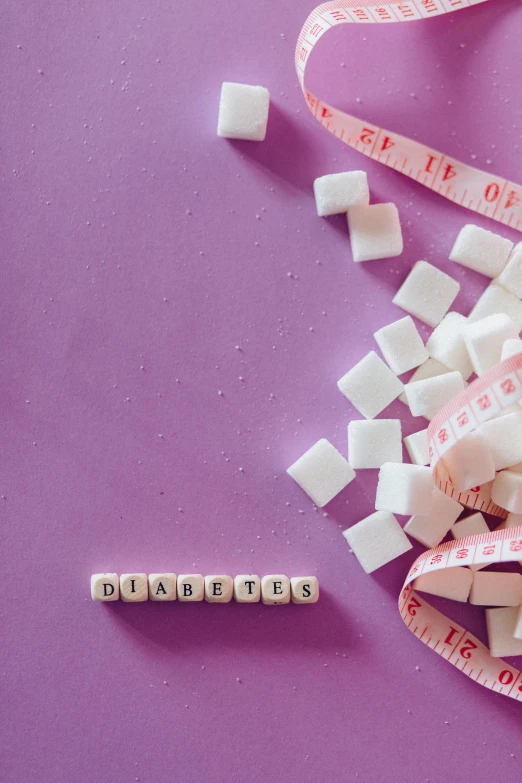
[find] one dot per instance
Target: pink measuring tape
(465, 185)
(492, 197)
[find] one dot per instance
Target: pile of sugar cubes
(273, 589)
(458, 347)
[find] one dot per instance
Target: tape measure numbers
(491, 196)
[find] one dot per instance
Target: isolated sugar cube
(511, 276)
(428, 369)
(504, 439)
(243, 111)
(322, 472)
(372, 443)
(370, 386)
(427, 293)
(510, 348)
(470, 462)
(481, 250)
(427, 397)
(377, 540)
(430, 529)
(404, 489)
(501, 624)
(472, 525)
(506, 491)
(484, 340)
(495, 300)
(446, 344)
(375, 231)
(335, 193)
(496, 589)
(401, 345)
(453, 583)
(417, 447)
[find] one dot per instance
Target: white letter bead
(427, 293)
(427, 397)
(162, 587)
(191, 587)
(370, 386)
(506, 491)
(372, 443)
(304, 589)
(484, 340)
(219, 589)
(247, 589)
(511, 276)
(335, 193)
(377, 540)
(375, 231)
(430, 529)
(134, 587)
(494, 301)
(322, 472)
(275, 589)
(401, 345)
(446, 344)
(504, 438)
(502, 624)
(473, 525)
(417, 447)
(470, 462)
(105, 587)
(453, 583)
(481, 250)
(511, 347)
(496, 589)
(243, 111)
(404, 489)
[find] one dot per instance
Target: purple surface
(139, 251)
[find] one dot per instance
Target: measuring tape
(477, 190)
(484, 399)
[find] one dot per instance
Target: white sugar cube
(506, 491)
(376, 540)
(446, 344)
(511, 276)
(481, 250)
(501, 624)
(429, 369)
(370, 386)
(510, 348)
(472, 525)
(496, 589)
(470, 462)
(372, 443)
(322, 472)
(427, 293)
(404, 489)
(430, 529)
(504, 439)
(517, 633)
(427, 397)
(243, 111)
(496, 300)
(335, 193)
(375, 231)
(417, 447)
(484, 340)
(453, 583)
(401, 345)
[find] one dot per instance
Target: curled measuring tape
(491, 196)
(484, 399)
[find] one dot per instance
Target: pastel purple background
(139, 250)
